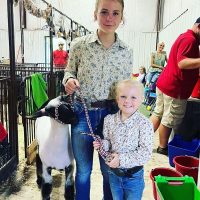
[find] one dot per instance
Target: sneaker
(163, 151)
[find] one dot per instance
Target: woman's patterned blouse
(131, 139)
(97, 68)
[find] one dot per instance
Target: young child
(129, 136)
(142, 74)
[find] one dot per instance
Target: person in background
(175, 84)
(60, 56)
(129, 136)
(142, 74)
(158, 60)
(60, 59)
(96, 62)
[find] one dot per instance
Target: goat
(54, 153)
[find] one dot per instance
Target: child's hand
(114, 163)
(96, 145)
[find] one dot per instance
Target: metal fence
(8, 147)
(25, 100)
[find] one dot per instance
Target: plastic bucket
(177, 188)
(187, 165)
(163, 172)
(180, 147)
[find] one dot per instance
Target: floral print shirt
(97, 68)
(131, 139)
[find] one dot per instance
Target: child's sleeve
(106, 139)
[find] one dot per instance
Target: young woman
(96, 62)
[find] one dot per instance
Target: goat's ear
(37, 114)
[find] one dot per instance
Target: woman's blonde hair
(132, 84)
(120, 1)
(159, 43)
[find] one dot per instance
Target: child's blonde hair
(132, 84)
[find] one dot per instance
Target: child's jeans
(127, 188)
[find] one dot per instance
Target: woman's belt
(126, 172)
(103, 103)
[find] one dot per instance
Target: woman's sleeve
(73, 61)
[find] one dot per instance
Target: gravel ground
(22, 186)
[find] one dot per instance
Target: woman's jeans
(82, 145)
(127, 188)
(152, 77)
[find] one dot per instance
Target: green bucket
(176, 188)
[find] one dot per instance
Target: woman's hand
(96, 145)
(71, 85)
(161, 67)
(114, 163)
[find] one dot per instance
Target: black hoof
(69, 192)
(46, 191)
(39, 182)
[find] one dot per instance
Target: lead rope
(106, 155)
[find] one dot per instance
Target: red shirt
(176, 82)
(60, 58)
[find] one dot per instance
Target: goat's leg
(47, 183)
(69, 182)
(39, 170)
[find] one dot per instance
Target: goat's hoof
(39, 182)
(46, 191)
(69, 193)
(46, 198)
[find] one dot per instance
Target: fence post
(13, 131)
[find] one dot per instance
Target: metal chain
(106, 155)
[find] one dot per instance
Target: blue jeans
(83, 152)
(127, 188)
(152, 77)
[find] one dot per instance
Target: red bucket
(187, 165)
(163, 172)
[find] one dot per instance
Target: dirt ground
(22, 186)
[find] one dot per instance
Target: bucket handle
(175, 182)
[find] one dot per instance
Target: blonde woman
(158, 60)
(96, 62)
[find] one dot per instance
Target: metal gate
(9, 146)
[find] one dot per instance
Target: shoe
(163, 151)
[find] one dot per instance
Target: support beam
(13, 131)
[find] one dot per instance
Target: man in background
(175, 84)
(60, 58)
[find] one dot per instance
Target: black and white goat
(54, 153)
(54, 146)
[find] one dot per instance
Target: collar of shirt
(95, 38)
(118, 117)
(192, 33)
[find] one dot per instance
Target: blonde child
(129, 136)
